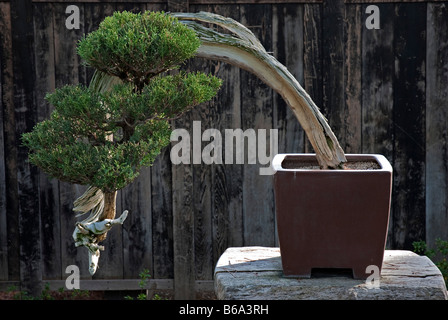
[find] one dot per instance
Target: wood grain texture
(162, 216)
(377, 91)
(68, 70)
(5, 87)
(204, 114)
(48, 189)
(436, 123)
(183, 224)
(227, 210)
(312, 57)
(183, 210)
(409, 124)
(256, 106)
(377, 86)
(352, 113)
(25, 117)
(162, 206)
(10, 141)
(288, 24)
(333, 104)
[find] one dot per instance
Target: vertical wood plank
(25, 118)
(68, 70)
(288, 46)
(333, 104)
(227, 212)
(377, 85)
(256, 106)
(353, 25)
(287, 34)
(162, 216)
(202, 204)
(312, 56)
(3, 216)
(183, 224)
(377, 90)
(162, 206)
(48, 189)
(183, 212)
(409, 124)
(12, 203)
(202, 182)
(436, 123)
(137, 229)
(5, 50)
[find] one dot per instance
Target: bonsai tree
(101, 136)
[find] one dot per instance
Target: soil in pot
(313, 165)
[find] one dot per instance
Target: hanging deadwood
(92, 230)
(243, 50)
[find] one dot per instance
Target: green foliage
(136, 47)
(47, 294)
(438, 255)
(69, 151)
(102, 137)
(144, 278)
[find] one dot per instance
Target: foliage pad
(136, 47)
(103, 139)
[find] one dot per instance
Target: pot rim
(380, 159)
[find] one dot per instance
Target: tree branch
(245, 51)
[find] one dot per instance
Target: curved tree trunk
(246, 52)
(110, 199)
(109, 210)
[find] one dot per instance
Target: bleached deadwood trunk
(243, 49)
(92, 230)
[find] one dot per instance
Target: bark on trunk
(109, 206)
(109, 210)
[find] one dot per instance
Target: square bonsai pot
(331, 219)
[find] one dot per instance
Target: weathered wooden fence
(383, 90)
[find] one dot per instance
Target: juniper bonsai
(102, 137)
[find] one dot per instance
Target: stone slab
(246, 273)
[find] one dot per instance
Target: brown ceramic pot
(331, 219)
